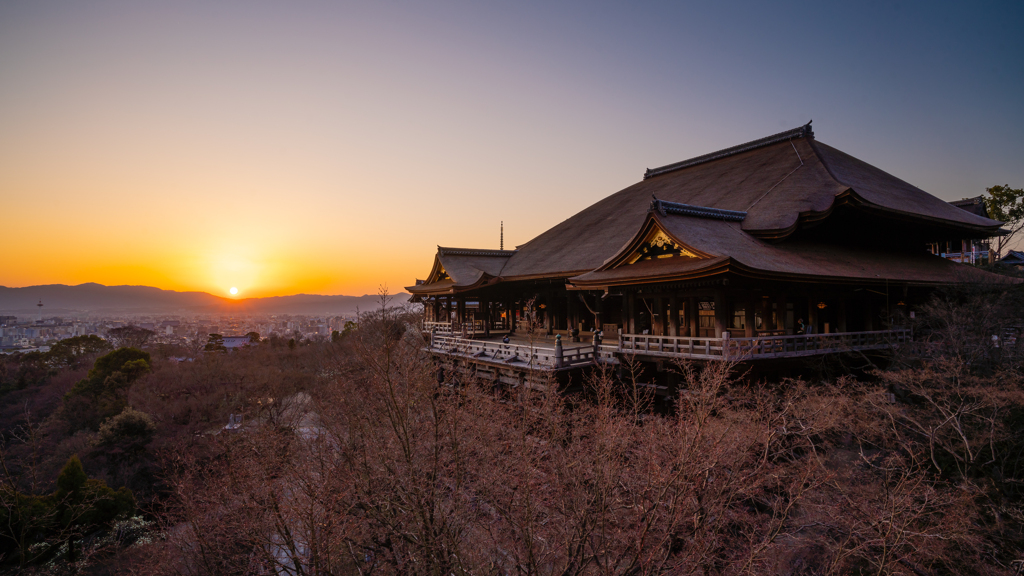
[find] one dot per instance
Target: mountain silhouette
(60, 299)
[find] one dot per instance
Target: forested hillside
(360, 456)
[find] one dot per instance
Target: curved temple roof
(729, 203)
(461, 269)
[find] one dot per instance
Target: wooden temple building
(777, 248)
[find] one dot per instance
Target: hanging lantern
(822, 305)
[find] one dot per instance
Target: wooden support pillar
(549, 320)
(692, 317)
(598, 313)
(485, 311)
(436, 308)
(673, 315)
(624, 316)
(460, 310)
(574, 305)
(748, 313)
(869, 315)
(812, 315)
(568, 312)
(721, 313)
(510, 314)
(841, 315)
(658, 327)
(631, 313)
(780, 318)
(766, 314)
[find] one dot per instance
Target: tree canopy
(1006, 205)
(67, 351)
(130, 336)
(215, 344)
(103, 393)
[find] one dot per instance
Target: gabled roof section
(974, 205)
(726, 248)
(801, 132)
(458, 269)
(653, 242)
(1014, 257)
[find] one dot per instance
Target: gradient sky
(286, 147)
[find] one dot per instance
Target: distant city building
(232, 342)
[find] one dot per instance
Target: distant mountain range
(60, 299)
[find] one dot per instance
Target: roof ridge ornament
(804, 131)
(666, 208)
(443, 251)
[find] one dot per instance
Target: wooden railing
(521, 354)
(758, 347)
(469, 328)
(699, 348)
(673, 346)
(440, 327)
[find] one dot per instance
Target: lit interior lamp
(821, 305)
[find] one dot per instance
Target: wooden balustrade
(556, 357)
(764, 346)
(684, 347)
(470, 328)
(440, 327)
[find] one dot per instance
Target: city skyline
(324, 149)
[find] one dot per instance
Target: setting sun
(233, 290)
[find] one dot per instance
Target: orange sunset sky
(329, 147)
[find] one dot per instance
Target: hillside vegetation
(360, 456)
